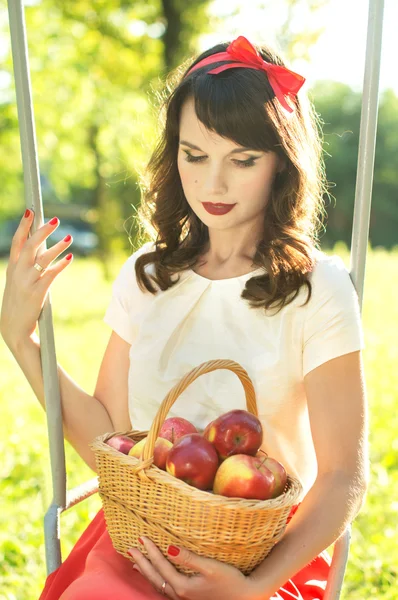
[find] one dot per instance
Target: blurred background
(96, 67)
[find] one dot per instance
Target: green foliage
(81, 338)
(297, 43)
(340, 110)
(95, 70)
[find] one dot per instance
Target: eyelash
(241, 163)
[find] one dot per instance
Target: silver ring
(39, 268)
(163, 588)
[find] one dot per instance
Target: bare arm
(112, 383)
(84, 417)
(338, 415)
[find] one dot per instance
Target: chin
(217, 225)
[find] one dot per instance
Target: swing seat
(78, 494)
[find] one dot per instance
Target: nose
(215, 183)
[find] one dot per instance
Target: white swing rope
(62, 500)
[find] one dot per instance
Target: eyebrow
(237, 151)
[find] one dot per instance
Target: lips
(217, 209)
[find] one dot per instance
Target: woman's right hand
(26, 288)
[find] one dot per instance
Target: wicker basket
(140, 499)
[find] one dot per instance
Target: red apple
(235, 432)
(174, 428)
(160, 452)
(193, 460)
(244, 476)
(122, 443)
(278, 471)
(206, 430)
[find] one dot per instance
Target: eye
(239, 163)
(245, 163)
(190, 158)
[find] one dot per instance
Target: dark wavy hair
(238, 104)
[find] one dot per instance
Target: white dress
(199, 319)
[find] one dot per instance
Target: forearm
(328, 508)
(83, 416)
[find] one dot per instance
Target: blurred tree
(95, 66)
(186, 20)
(292, 28)
(296, 43)
(340, 109)
(92, 66)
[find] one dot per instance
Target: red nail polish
(173, 551)
(68, 257)
(27, 213)
(67, 238)
(54, 221)
(140, 541)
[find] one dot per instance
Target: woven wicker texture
(140, 499)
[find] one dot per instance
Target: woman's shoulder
(128, 267)
(331, 281)
(328, 269)
(142, 249)
(126, 280)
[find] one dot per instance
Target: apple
(244, 476)
(193, 459)
(235, 432)
(206, 429)
(174, 428)
(136, 451)
(278, 470)
(161, 451)
(122, 443)
(162, 447)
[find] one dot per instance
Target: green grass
(81, 337)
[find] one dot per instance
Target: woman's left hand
(215, 579)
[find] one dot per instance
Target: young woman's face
(216, 170)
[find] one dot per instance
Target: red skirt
(95, 571)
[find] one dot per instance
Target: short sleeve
(127, 298)
(333, 324)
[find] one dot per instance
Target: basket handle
(174, 393)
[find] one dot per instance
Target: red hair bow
(283, 81)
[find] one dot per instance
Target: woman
(233, 203)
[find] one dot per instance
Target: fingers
(161, 565)
(186, 558)
(24, 248)
(50, 274)
(213, 576)
(179, 582)
(147, 570)
(45, 260)
(21, 235)
(32, 245)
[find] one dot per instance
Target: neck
(233, 246)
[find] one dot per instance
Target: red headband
(282, 81)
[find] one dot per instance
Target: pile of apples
(224, 459)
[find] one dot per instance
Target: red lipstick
(217, 209)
